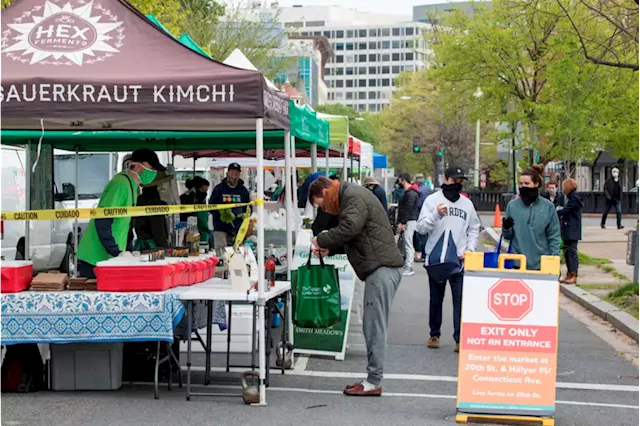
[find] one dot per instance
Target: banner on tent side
(331, 341)
(508, 340)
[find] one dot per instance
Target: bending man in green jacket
(365, 234)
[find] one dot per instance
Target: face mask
(451, 191)
(146, 176)
(201, 196)
(553, 191)
(615, 175)
(370, 187)
(528, 195)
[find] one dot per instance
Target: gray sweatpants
(379, 289)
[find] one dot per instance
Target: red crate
(212, 262)
(16, 275)
(179, 274)
(132, 278)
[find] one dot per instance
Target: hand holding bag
(316, 295)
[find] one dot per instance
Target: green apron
(144, 244)
(203, 225)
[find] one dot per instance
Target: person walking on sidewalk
(408, 211)
(552, 194)
(365, 234)
(613, 196)
(445, 213)
(571, 229)
(420, 240)
(531, 222)
(372, 185)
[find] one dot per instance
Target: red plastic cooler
(16, 275)
(130, 278)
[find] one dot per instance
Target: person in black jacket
(613, 195)
(552, 194)
(408, 212)
(151, 230)
(571, 229)
(372, 185)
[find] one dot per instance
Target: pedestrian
(552, 194)
(197, 189)
(408, 211)
(108, 237)
(365, 235)
(531, 222)
(398, 190)
(152, 231)
(230, 191)
(571, 229)
(447, 212)
(420, 240)
(372, 185)
(613, 196)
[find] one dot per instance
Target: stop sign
(510, 299)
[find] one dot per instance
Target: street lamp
(476, 171)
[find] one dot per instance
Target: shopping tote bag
(443, 260)
(316, 295)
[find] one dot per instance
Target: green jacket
(536, 230)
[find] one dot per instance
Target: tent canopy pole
(75, 222)
(260, 258)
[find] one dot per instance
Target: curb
(619, 319)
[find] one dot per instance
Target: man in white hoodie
(449, 219)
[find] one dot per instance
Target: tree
(256, 31)
(362, 126)
(169, 12)
(606, 29)
(201, 22)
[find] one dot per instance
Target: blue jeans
(436, 293)
(617, 204)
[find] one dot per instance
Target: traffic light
(439, 153)
(416, 144)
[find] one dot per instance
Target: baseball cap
(143, 154)
(454, 172)
(234, 166)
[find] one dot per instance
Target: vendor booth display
(130, 76)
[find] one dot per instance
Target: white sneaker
(407, 272)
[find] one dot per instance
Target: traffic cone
(497, 219)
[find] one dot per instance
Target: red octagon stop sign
(510, 299)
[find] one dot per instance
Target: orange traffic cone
(497, 219)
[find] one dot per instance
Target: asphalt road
(597, 385)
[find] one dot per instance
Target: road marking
(424, 378)
(391, 394)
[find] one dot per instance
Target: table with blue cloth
(93, 316)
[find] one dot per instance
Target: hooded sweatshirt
(461, 220)
(225, 194)
(535, 231)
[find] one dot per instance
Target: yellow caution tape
(244, 227)
(113, 212)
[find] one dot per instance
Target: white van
(95, 170)
(51, 242)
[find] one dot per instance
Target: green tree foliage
(202, 19)
(362, 126)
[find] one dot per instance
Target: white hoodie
(462, 221)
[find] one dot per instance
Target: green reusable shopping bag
(316, 295)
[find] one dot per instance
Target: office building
(428, 12)
(369, 51)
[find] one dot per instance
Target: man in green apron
(107, 238)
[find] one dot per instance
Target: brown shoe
(457, 348)
(434, 342)
(566, 277)
(358, 390)
(572, 279)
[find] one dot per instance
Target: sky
(393, 7)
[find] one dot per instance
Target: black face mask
(201, 196)
(528, 195)
(451, 191)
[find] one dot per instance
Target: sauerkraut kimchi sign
(103, 58)
(508, 344)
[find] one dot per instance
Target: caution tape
(115, 212)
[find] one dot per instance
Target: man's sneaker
(620, 226)
(407, 272)
(457, 348)
(419, 260)
(434, 342)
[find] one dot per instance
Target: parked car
(51, 242)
